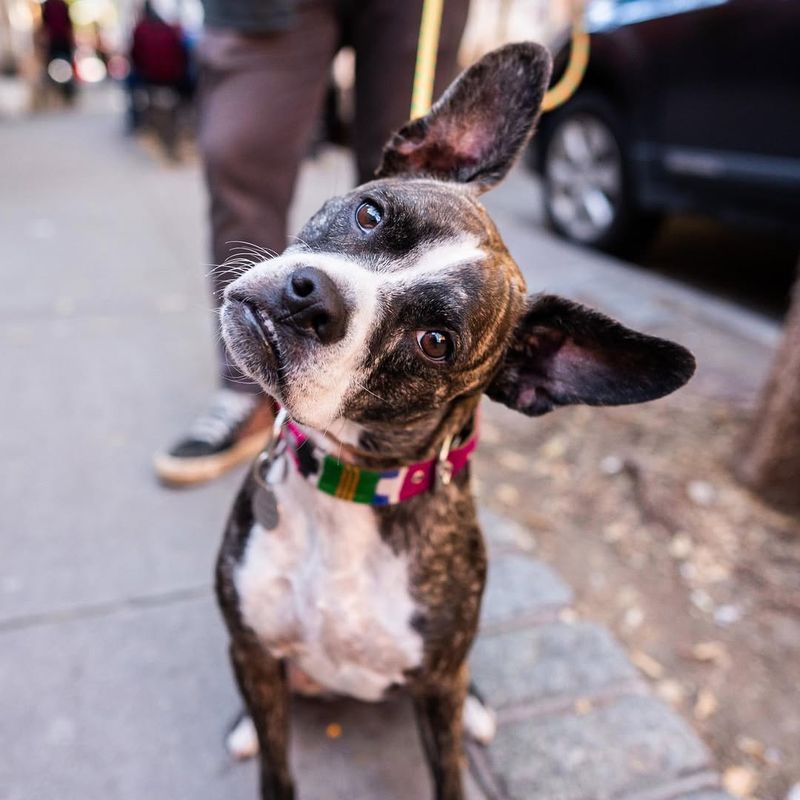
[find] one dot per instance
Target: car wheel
(587, 193)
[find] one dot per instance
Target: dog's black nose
(315, 304)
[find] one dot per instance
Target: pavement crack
(678, 787)
(541, 616)
(105, 609)
(579, 704)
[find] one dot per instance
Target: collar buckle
(444, 467)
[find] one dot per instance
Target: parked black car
(686, 105)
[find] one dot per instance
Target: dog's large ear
(479, 125)
(563, 353)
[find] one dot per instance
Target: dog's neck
(382, 445)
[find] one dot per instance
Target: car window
(603, 15)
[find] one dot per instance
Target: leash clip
(444, 468)
(266, 458)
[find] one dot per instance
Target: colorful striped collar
(374, 487)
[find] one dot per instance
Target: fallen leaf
(671, 691)
(554, 447)
(633, 618)
(333, 731)
(712, 651)
(739, 781)
(680, 546)
(706, 704)
(702, 600)
(506, 493)
(647, 664)
(751, 747)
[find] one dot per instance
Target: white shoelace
(228, 411)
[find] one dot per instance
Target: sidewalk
(114, 680)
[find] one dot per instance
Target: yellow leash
(428, 45)
(576, 67)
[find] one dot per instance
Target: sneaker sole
(174, 471)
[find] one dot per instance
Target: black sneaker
(234, 429)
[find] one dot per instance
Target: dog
(352, 562)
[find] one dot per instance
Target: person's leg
(385, 34)
(260, 98)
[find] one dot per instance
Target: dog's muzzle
(315, 305)
(307, 302)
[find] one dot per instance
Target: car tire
(586, 176)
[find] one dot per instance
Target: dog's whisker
(369, 391)
(253, 248)
(300, 240)
(231, 267)
(251, 255)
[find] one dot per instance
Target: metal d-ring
(275, 446)
(444, 468)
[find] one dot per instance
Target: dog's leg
(479, 720)
(265, 688)
(439, 706)
(241, 741)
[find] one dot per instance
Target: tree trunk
(771, 465)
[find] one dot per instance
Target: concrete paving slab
(612, 750)
(546, 662)
(696, 786)
(135, 704)
(108, 226)
(129, 705)
(502, 533)
(519, 588)
(85, 519)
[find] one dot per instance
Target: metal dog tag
(269, 469)
(268, 472)
(265, 508)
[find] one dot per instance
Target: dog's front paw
(480, 722)
(242, 739)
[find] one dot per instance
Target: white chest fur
(323, 590)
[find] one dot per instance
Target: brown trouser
(261, 98)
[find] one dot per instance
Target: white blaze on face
(317, 386)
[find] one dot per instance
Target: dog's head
(400, 297)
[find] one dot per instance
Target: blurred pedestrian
(158, 59)
(59, 35)
(57, 43)
(264, 70)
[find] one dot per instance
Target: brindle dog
(379, 331)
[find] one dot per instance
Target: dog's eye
(435, 344)
(368, 216)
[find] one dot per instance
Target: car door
(725, 104)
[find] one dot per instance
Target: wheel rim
(584, 176)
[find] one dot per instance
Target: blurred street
(114, 679)
(750, 267)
